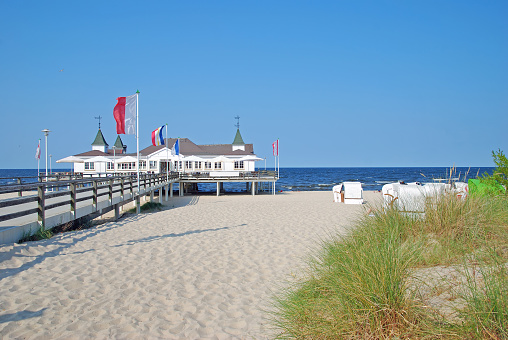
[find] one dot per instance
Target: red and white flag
(275, 146)
(38, 151)
(125, 115)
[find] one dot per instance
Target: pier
(66, 198)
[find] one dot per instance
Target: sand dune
(205, 267)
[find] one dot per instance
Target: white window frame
(239, 165)
(218, 166)
(89, 166)
(153, 165)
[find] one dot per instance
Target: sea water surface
(316, 179)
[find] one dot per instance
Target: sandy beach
(204, 267)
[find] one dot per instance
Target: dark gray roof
(187, 147)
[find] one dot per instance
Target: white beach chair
(337, 195)
(353, 193)
(461, 189)
(411, 198)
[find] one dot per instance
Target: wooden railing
(88, 189)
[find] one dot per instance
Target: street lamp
(46, 133)
(50, 172)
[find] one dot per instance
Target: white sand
(206, 267)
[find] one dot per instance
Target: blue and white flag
(176, 148)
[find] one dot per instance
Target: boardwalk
(59, 202)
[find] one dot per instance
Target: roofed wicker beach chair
(353, 192)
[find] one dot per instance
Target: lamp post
(46, 133)
(50, 172)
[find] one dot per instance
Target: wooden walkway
(68, 198)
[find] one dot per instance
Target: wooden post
(20, 192)
(160, 195)
(253, 188)
(110, 192)
(94, 197)
(122, 188)
(218, 188)
(41, 218)
(166, 191)
(73, 199)
(138, 208)
(117, 211)
(151, 195)
(171, 190)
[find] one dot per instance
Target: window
(89, 166)
(142, 165)
(110, 166)
(197, 165)
(153, 165)
(208, 165)
(218, 165)
(238, 164)
(127, 166)
(178, 165)
(188, 165)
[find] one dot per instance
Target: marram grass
(358, 286)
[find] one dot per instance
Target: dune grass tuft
(361, 286)
(41, 234)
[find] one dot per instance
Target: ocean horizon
(315, 178)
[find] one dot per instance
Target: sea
(315, 179)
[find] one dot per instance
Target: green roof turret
(99, 140)
(238, 138)
(118, 144)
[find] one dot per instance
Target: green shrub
(41, 234)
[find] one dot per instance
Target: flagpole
(278, 159)
(137, 135)
(167, 155)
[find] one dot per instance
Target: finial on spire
(99, 118)
(237, 122)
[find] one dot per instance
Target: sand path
(205, 267)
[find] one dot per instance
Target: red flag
(275, 146)
(38, 151)
(125, 115)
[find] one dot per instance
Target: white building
(215, 160)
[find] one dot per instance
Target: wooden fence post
(20, 192)
(73, 199)
(41, 204)
(110, 192)
(94, 198)
(122, 188)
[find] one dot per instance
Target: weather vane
(99, 118)
(237, 122)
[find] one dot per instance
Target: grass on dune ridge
(361, 286)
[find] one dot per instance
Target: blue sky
(340, 83)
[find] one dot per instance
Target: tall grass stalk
(486, 313)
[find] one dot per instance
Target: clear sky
(340, 83)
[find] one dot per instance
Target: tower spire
(99, 118)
